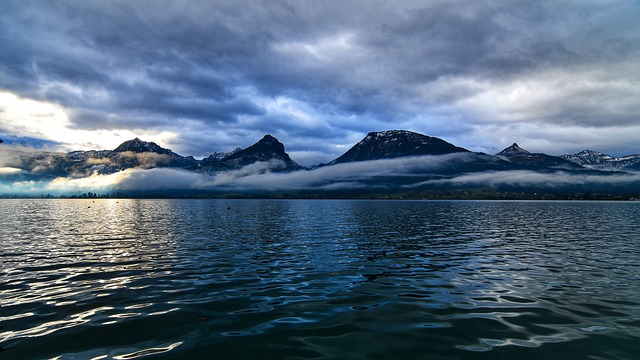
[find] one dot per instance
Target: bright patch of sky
(49, 121)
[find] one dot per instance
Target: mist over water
(277, 279)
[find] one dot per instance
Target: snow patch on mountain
(599, 161)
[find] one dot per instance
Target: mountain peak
(514, 149)
(394, 133)
(268, 139)
(522, 157)
(396, 143)
(265, 150)
(138, 146)
(592, 153)
(268, 144)
(600, 161)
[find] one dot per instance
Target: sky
(204, 76)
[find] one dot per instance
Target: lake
(299, 279)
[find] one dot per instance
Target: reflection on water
(318, 279)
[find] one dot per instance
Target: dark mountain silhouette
(419, 160)
(535, 161)
(138, 146)
(268, 150)
(396, 143)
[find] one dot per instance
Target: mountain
(394, 144)
(137, 153)
(34, 165)
(138, 146)
(589, 158)
(130, 154)
(599, 161)
(513, 150)
(268, 150)
(628, 163)
(393, 160)
(535, 161)
(146, 154)
(217, 156)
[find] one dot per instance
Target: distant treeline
(450, 194)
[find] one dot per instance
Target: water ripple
(318, 279)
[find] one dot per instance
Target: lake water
(297, 279)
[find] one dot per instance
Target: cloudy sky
(204, 76)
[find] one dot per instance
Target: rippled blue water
(270, 279)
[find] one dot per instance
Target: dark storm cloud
(328, 71)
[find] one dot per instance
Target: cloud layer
(205, 76)
(400, 174)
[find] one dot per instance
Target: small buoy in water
(228, 207)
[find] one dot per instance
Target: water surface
(269, 279)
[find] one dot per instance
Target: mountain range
(386, 159)
(600, 161)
